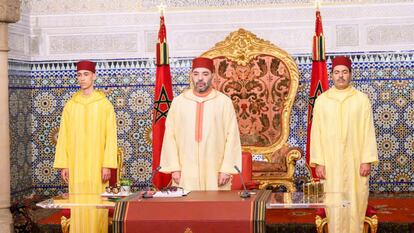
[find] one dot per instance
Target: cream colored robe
(343, 137)
(219, 147)
(87, 142)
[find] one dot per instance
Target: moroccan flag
(163, 96)
(319, 81)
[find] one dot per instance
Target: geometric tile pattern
(20, 111)
(39, 90)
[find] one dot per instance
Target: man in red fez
(87, 148)
(201, 142)
(343, 146)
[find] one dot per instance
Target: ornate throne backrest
(262, 81)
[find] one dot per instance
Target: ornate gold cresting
(242, 46)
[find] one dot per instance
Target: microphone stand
(245, 193)
(146, 194)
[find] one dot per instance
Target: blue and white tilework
(39, 90)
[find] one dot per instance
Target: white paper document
(120, 194)
(178, 193)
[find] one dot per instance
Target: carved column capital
(9, 11)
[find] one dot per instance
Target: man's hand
(65, 174)
(365, 169)
(320, 171)
(223, 178)
(106, 174)
(176, 176)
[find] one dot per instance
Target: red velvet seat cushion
(65, 212)
(250, 185)
(112, 180)
(369, 213)
(321, 212)
(246, 171)
(111, 212)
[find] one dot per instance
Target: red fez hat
(342, 60)
(86, 65)
(204, 63)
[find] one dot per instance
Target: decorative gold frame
(370, 224)
(287, 179)
(241, 46)
(320, 223)
(120, 161)
(65, 224)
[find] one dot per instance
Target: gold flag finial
(161, 8)
(317, 4)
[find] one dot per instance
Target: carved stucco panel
(9, 11)
(151, 38)
(390, 34)
(347, 35)
(193, 40)
(17, 42)
(292, 38)
(34, 45)
(93, 43)
(82, 6)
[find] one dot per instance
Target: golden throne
(262, 81)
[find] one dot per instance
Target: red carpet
(52, 219)
(277, 216)
(395, 208)
(399, 210)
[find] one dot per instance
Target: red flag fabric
(163, 96)
(319, 81)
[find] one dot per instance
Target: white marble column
(9, 13)
(5, 216)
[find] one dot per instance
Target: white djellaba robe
(201, 139)
(342, 138)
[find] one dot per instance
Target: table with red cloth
(199, 211)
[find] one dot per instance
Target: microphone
(146, 194)
(244, 193)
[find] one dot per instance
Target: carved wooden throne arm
(294, 154)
